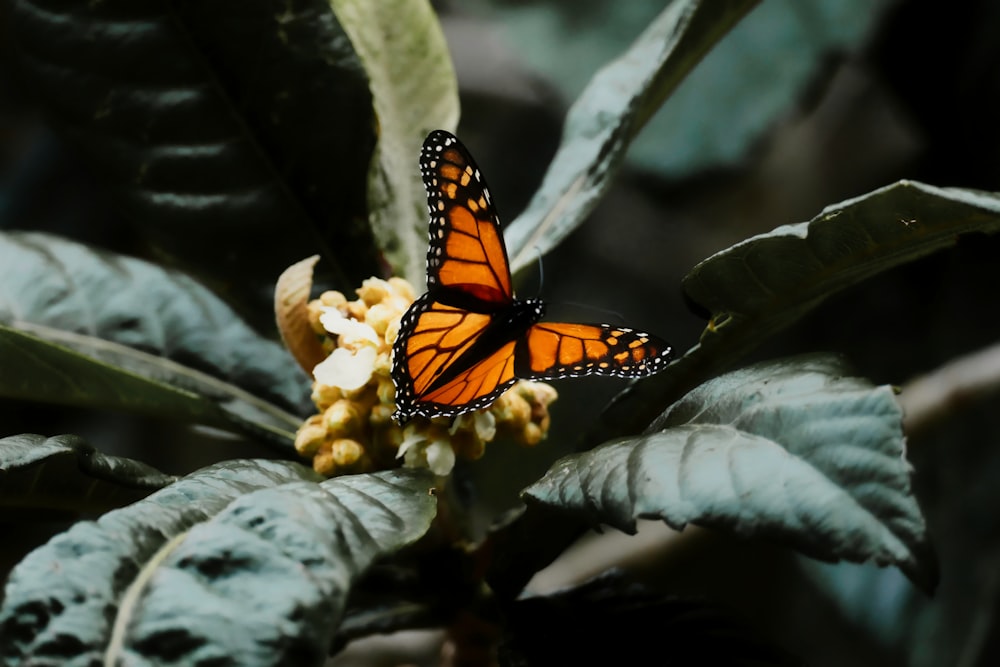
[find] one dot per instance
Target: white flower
(484, 423)
(440, 457)
(346, 369)
(351, 332)
(420, 451)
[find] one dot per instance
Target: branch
(950, 388)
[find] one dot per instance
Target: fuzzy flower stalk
(354, 393)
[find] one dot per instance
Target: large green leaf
(754, 289)
(52, 366)
(87, 327)
(237, 136)
(239, 562)
(794, 450)
(766, 283)
(72, 586)
(66, 475)
(611, 111)
(413, 85)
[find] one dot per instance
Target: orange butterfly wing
(450, 368)
(561, 349)
(466, 251)
(454, 352)
(448, 360)
(466, 340)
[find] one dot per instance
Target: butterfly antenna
(610, 314)
(614, 314)
(541, 270)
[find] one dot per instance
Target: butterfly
(467, 339)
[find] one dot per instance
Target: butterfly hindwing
(466, 249)
(554, 350)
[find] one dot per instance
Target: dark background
(912, 90)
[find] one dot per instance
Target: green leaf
(774, 278)
(236, 136)
(752, 81)
(66, 475)
(85, 327)
(793, 450)
(413, 85)
(391, 612)
(51, 366)
(766, 283)
(266, 581)
(238, 562)
(61, 601)
(607, 116)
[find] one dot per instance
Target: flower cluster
(354, 392)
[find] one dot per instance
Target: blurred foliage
(767, 64)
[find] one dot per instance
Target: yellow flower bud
(357, 310)
(383, 364)
(342, 418)
(403, 288)
(512, 410)
(378, 318)
(392, 332)
(386, 390)
(323, 462)
(333, 299)
(540, 393)
(381, 414)
(373, 290)
(530, 435)
(313, 311)
(360, 394)
(324, 395)
(346, 452)
(310, 436)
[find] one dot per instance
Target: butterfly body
(467, 339)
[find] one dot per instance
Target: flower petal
(409, 443)
(350, 330)
(346, 369)
(440, 457)
(486, 425)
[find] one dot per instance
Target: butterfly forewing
(466, 249)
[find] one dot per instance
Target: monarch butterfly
(467, 339)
